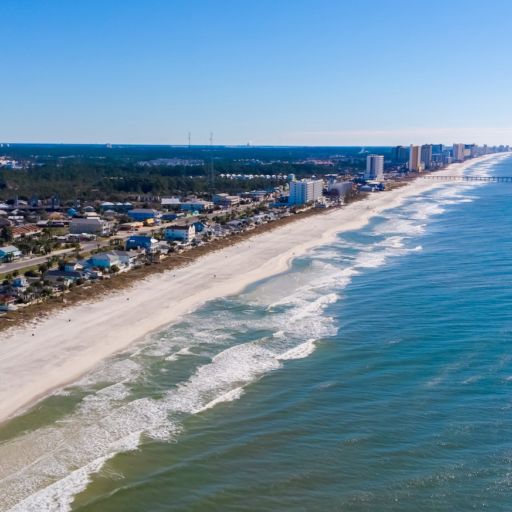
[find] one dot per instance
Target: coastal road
(37, 260)
(30, 262)
(86, 247)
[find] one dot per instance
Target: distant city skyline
(323, 73)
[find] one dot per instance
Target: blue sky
(313, 72)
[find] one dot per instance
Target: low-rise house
(72, 266)
(81, 237)
(128, 258)
(9, 253)
(7, 303)
(166, 217)
(144, 214)
(256, 195)
(225, 200)
(115, 207)
(148, 243)
(200, 226)
(263, 218)
(105, 260)
(341, 188)
(180, 233)
(92, 273)
(95, 226)
(163, 247)
(235, 225)
(107, 205)
(16, 220)
(131, 226)
(170, 202)
(62, 277)
(124, 260)
(217, 230)
(376, 185)
(26, 230)
(19, 282)
(110, 214)
(196, 205)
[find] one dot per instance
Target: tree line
(114, 180)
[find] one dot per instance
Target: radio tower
(189, 139)
(211, 170)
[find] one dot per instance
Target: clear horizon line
(246, 145)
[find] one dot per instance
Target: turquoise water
(376, 374)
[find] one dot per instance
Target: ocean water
(375, 374)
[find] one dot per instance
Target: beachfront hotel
(374, 167)
(305, 191)
(414, 158)
(426, 155)
(458, 152)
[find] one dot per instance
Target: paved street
(86, 247)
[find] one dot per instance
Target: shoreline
(41, 357)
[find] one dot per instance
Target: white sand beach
(48, 354)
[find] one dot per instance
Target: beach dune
(48, 354)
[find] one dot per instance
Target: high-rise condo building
(426, 155)
(474, 151)
(305, 191)
(414, 158)
(458, 152)
(400, 155)
(374, 167)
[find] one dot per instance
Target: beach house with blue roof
(148, 243)
(9, 253)
(144, 214)
(184, 234)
